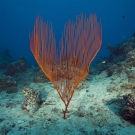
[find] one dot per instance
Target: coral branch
(67, 64)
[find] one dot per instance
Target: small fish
(123, 37)
(103, 61)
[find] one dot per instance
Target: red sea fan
(68, 64)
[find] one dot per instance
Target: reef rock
(16, 67)
(33, 100)
(122, 56)
(128, 110)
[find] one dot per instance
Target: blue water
(17, 18)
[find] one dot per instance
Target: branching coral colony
(67, 64)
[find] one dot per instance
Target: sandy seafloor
(93, 110)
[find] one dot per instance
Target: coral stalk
(67, 64)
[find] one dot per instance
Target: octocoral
(66, 65)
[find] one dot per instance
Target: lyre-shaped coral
(67, 64)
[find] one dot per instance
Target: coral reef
(104, 102)
(16, 67)
(8, 84)
(114, 50)
(122, 57)
(111, 70)
(40, 77)
(33, 100)
(120, 66)
(128, 110)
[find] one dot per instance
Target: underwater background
(17, 19)
(102, 95)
